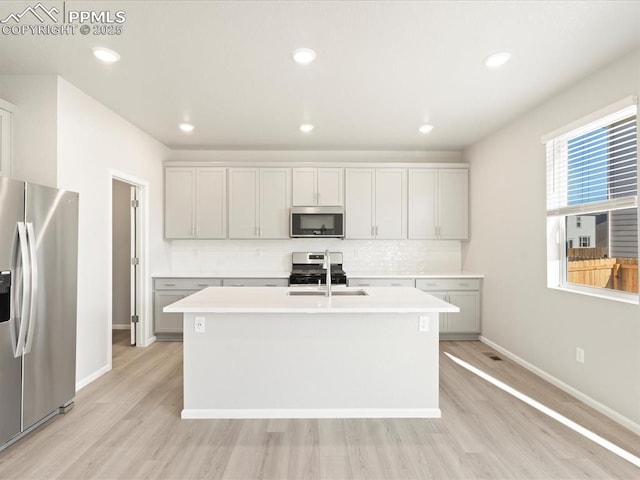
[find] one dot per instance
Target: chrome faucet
(327, 266)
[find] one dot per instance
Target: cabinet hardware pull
(169, 284)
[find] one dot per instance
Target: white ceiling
(382, 69)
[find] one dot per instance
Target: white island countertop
(278, 300)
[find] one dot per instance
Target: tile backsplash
(360, 256)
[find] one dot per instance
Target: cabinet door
(330, 187)
(453, 196)
(275, 202)
(168, 322)
(390, 203)
(243, 203)
(6, 119)
(179, 202)
(304, 187)
(359, 203)
(422, 203)
(468, 319)
(211, 203)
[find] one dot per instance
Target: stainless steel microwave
(317, 222)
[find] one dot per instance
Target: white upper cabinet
(438, 203)
(318, 186)
(275, 202)
(243, 202)
(211, 203)
(376, 201)
(259, 202)
(6, 126)
(195, 202)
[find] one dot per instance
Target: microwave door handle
(26, 289)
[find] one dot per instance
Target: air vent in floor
(492, 356)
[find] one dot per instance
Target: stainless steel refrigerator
(38, 297)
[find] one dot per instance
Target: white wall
(34, 127)
(542, 326)
(92, 143)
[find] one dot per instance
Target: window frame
(557, 243)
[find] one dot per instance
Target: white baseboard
(609, 412)
(116, 326)
(202, 413)
(148, 341)
(94, 376)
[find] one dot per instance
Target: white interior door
(135, 262)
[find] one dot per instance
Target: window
(585, 242)
(592, 188)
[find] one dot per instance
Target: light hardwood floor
(126, 425)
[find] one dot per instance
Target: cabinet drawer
(255, 282)
(448, 283)
(185, 283)
(381, 282)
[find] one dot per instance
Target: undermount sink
(318, 293)
(349, 293)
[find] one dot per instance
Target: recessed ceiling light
(306, 127)
(106, 55)
(186, 127)
(497, 59)
(426, 128)
(304, 55)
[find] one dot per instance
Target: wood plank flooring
(126, 425)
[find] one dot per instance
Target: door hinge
(135, 318)
(135, 261)
(135, 203)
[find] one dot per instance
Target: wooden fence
(614, 273)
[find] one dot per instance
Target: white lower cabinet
(464, 294)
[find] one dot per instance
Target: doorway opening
(125, 277)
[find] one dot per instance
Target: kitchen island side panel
(275, 365)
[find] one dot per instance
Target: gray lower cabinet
(255, 282)
(381, 282)
(463, 293)
(168, 326)
(167, 290)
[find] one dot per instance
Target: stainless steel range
(306, 269)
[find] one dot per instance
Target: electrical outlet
(424, 324)
(579, 355)
(199, 324)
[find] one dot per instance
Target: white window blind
(594, 167)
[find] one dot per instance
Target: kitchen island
(279, 352)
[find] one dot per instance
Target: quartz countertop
(415, 275)
(277, 300)
(281, 274)
(222, 274)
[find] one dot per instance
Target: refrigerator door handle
(26, 289)
(31, 237)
